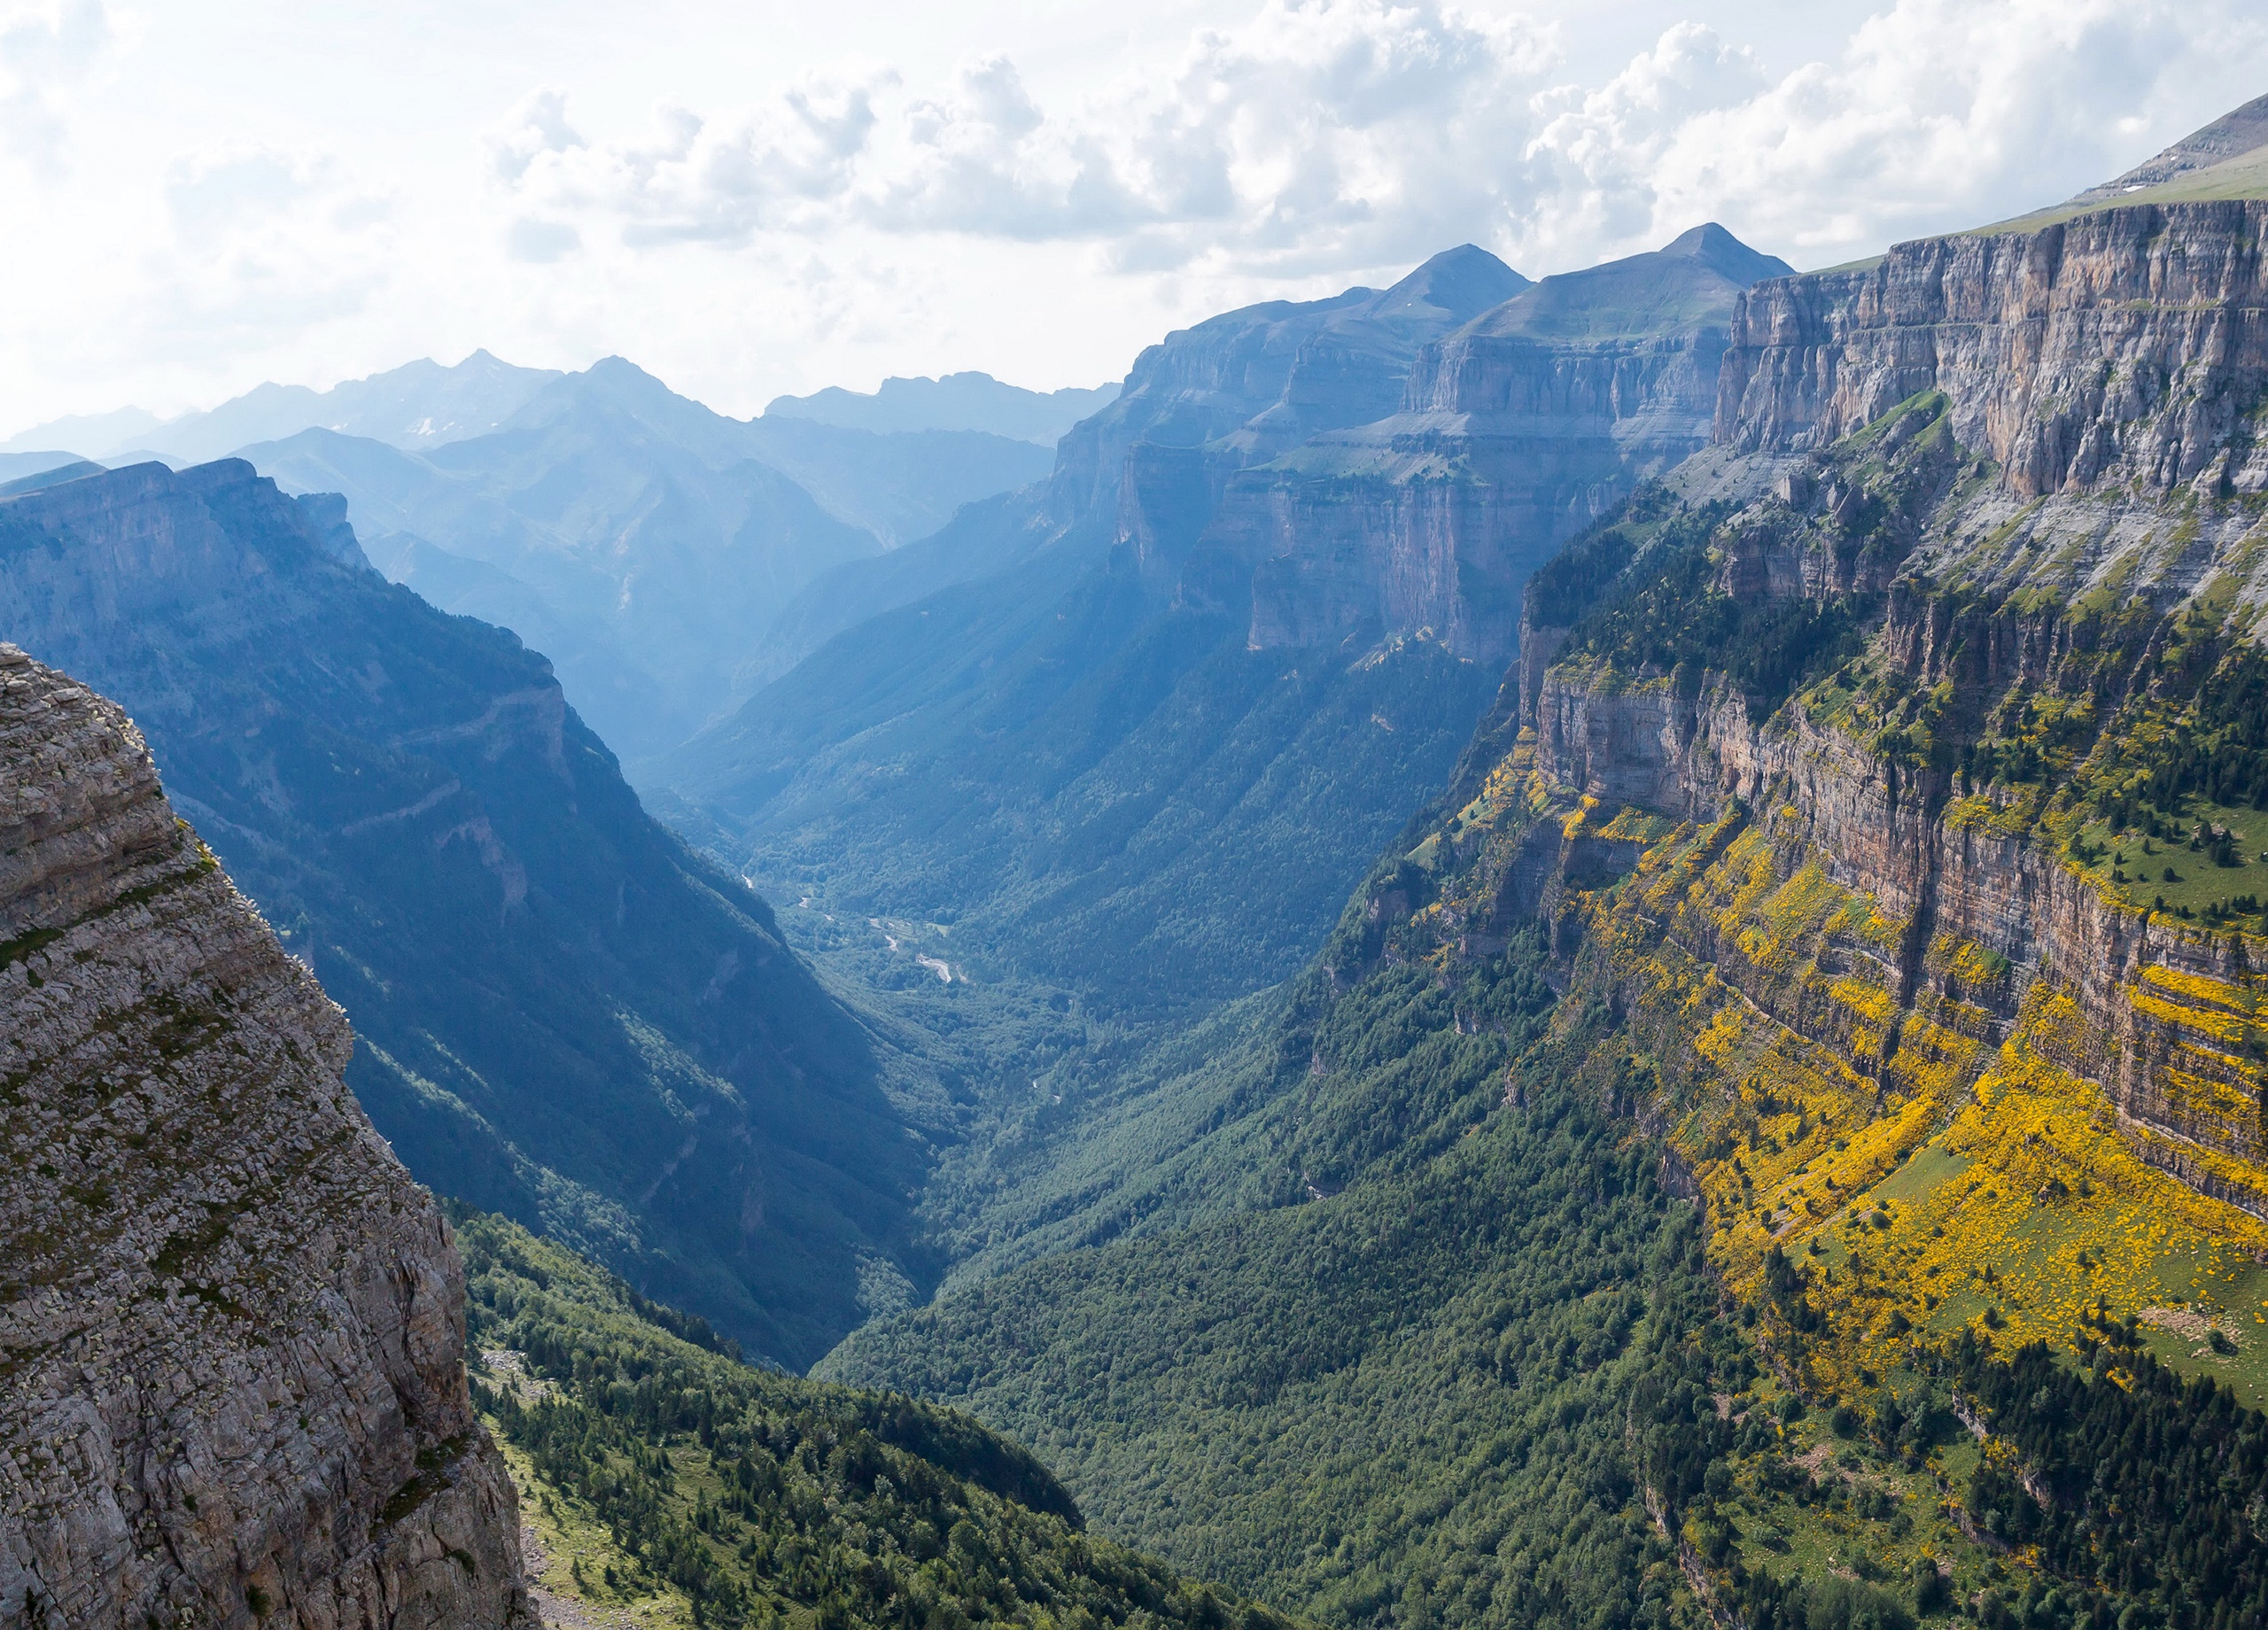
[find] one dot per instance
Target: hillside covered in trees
(663, 1471)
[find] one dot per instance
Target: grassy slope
(2244, 176)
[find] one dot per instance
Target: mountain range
(560, 1013)
(1518, 952)
(644, 542)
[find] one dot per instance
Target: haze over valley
(1526, 902)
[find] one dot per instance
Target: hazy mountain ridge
(644, 543)
(562, 1015)
(420, 404)
(964, 401)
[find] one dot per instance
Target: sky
(749, 200)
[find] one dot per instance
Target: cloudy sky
(751, 199)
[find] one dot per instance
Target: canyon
(1179, 693)
(1876, 789)
(559, 1013)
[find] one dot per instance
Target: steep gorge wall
(2098, 378)
(2125, 344)
(1949, 886)
(231, 1328)
(1510, 447)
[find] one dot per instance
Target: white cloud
(1330, 132)
(1938, 113)
(44, 50)
(1343, 135)
(264, 238)
(540, 242)
(688, 178)
(245, 189)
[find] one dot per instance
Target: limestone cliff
(1515, 430)
(2122, 344)
(1895, 773)
(231, 1327)
(1241, 388)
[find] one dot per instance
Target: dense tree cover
(1669, 615)
(2146, 1485)
(1457, 1392)
(2216, 747)
(1485, 1382)
(1568, 585)
(757, 1495)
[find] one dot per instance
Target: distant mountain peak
(2235, 133)
(1463, 282)
(1689, 282)
(1722, 253)
(421, 404)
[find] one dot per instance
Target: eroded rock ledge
(231, 1327)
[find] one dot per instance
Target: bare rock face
(2190, 1098)
(2122, 345)
(231, 1327)
(1516, 430)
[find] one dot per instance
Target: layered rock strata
(231, 1327)
(2125, 344)
(1515, 430)
(2166, 1005)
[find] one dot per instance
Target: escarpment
(1895, 775)
(1515, 430)
(231, 1327)
(2124, 345)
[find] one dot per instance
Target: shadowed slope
(564, 1014)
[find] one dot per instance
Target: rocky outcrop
(2128, 344)
(1515, 432)
(1241, 388)
(231, 1327)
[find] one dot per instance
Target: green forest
(759, 1499)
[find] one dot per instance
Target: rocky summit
(231, 1327)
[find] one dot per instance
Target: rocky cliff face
(2089, 368)
(1514, 431)
(1240, 388)
(2126, 344)
(1893, 774)
(231, 1328)
(559, 1013)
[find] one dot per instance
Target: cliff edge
(231, 1327)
